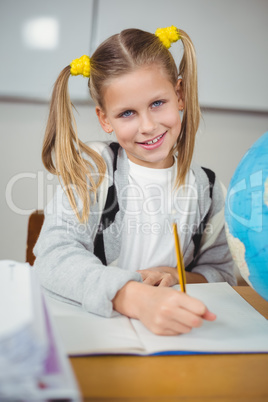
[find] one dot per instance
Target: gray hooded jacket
(77, 262)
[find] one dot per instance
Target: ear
(104, 122)
(180, 94)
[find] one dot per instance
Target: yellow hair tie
(168, 35)
(81, 66)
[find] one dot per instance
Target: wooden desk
(237, 377)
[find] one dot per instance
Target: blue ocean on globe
(246, 216)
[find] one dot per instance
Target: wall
(38, 39)
(230, 38)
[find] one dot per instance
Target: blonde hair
(120, 54)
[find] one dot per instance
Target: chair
(35, 223)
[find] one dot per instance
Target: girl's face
(142, 108)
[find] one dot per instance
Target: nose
(147, 123)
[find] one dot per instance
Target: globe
(246, 216)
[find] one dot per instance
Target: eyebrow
(122, 109)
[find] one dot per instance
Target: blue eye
(127, 113)
(157, 103)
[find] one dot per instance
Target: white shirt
(152, 207)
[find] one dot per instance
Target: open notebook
(239, 328)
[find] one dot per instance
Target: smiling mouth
(153, 141)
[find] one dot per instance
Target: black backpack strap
(198, 235)
(110, 210)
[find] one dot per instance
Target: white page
(84, 333)
(238, 327)
(16, 309)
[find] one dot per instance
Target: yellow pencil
(180, 263)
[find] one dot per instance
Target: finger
(140, 271)
(209, 316)
(145, 275)
(180, 315)
(142, 276)
(191, 304)
(188, 318)
(199, 309)
(152, 280)
(186, 310)
(172, 328)
(166, 281)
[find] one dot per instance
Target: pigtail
(191, 114)
(62, 151)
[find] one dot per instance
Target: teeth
(154, 141)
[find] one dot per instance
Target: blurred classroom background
(38, 39)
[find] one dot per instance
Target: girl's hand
(167, 276)
(159, 276)
(164, 311)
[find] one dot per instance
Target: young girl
(107, 241)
